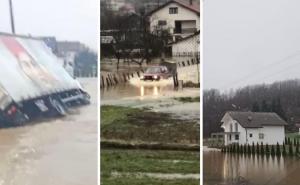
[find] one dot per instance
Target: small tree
(283, 150)
(238, 148)
(285, 141)
(257, 148)
(289, 141)
(249, 149)
(278, 152)
(253, 148)
(233, 148)
(272, 151)
(291, 152)
(267, 149)
(262, 149)
(297, 148)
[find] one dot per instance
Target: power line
(270, 65)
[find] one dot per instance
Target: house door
(178, 27)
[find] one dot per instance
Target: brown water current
(60, 151)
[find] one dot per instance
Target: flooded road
(230, 169)
(158, 96)
(60, 151)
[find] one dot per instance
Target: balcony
(185, 30)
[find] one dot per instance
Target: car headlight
(155, 76)
(142, 77)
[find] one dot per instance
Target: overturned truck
(33, 83)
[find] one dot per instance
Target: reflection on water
(137, 88)
(221, 168)
(154, 90)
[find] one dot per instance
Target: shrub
(257, 148)
(283, 150)
(272, 150)
(253, 149)
(291, 152)
(278, 152)
(267, 149)
(262, 149)
(248, 149)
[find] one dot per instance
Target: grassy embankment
(132, 125)
(188, 99)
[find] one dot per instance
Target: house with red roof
(180, 17)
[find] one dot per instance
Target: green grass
(188, 99)
(147, 181)
(132, 124)
(110, 113)
(147, 161)
(293, 135)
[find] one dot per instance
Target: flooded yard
(244, 169)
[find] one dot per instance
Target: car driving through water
(156, 73)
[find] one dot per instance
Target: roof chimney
(191, 2)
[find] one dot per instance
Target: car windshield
(153, 70)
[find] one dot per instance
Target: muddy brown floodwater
(159, 96)
(57, 152)
(236, 169)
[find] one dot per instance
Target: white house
(187, 47)
(180, 17)
(253, 127)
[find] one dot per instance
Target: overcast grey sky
(64, 19)
(250, 41)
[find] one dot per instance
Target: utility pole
(12, 22)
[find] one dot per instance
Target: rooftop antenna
(12, 22)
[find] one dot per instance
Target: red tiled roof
(186, 3)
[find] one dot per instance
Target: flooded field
(60, 151)
(148, 114)
(235, 169)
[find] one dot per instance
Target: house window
(230, 127)
(173, 10)
(261, 136)
(236, 127)
(237, 137)
(162, 23)
(250, 135)
(230, 137)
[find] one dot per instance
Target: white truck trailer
(32, 83)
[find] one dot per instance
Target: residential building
(180, 17)
(253, 127)
(66, 51)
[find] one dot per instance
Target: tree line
(282, 98)
(288, 148)
(132, 40)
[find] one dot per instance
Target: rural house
(180, 17)
(253, 127)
